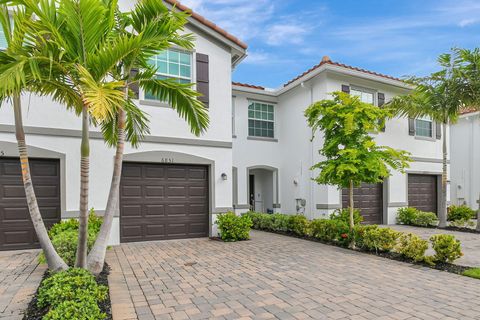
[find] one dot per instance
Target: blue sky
(396, 37)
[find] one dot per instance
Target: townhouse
(255, 155)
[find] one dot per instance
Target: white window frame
(425, 118)
(365, 90)
(274, 121)
(147, 101)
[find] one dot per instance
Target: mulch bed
(448, 228)
(448, 267)
(33, 312)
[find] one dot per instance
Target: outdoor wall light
(224, 176)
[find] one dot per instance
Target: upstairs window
(261, 120)
(364, 95)
(172, 64)
(3, 39)
(424, 127)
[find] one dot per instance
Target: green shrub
(462, 212)
(256, 219)
(64, 236)
(344, 215)
(406, 215)
(233, 227)
(330, 231)
(472, 273)
(412, 246)
(281, 222)
(359, 233)
(74, 284)
(76, 310)
(425, 219)
(299, 225)
(447, 248)
(380, 239)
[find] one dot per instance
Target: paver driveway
(274, 276)
(20, 275)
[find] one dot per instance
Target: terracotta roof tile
(208, 23)
(469, 110)
(248, 85)
(326, 60)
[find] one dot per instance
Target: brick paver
(20, 275)
(278, 277)
(470, 242)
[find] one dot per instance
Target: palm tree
(156, 29)
(438, 96)
(90, 61)
(468, 66)
(17, 73)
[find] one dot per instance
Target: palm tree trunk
(54, 261)
(96, 257)
(442, 213)
(81, 258)
(352, 222)
(478, 220)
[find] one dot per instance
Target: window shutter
(203, 78)
(438, 130)
(381, 102)
(134, 86)
(411, 126)
(345, 88)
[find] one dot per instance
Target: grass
(472, 273)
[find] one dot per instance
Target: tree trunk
(54, 261)
(81, 258)
(96, 257)
(442, 212)
(352, 222)
(478, 220)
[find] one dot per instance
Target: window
(364, 95)
(172, 64)
(3, 39)
(424, 127)
(260, 120)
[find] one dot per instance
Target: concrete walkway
(278, 277)
(20, 275)
(470, 242)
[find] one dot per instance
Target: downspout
(472, 196)
(312, 211)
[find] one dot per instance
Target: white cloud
(288, 33)
(467, 22)
(243, 18)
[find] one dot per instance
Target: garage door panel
(131, 191)
(173, 201)
(197, 174)
(176, 191)
(131, 211)
(154, 172)
(155, 191)
(176, 173)
(16, 228)
(154, 210)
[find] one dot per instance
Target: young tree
(439, 96)
(351, 154)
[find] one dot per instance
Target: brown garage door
(16, 228)
(368, 198)
(163, 201)
(422, 192)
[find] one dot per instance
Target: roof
(468, 110)
(248, 85)
(208, 23)
(326, 60)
